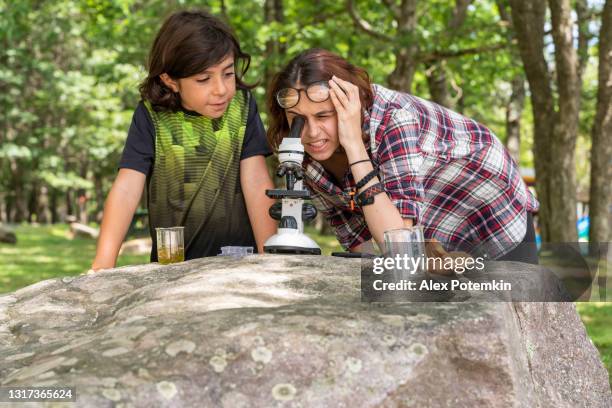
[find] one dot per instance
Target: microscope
(291, 211)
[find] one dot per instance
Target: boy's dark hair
(313, 65)
(188, 43)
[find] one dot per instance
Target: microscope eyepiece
(296, 127)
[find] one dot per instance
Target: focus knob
(309, 212)
(275, 211)
(288, 222)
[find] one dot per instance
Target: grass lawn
(44, 252)
(597, 317)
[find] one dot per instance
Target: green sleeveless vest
(195, 179)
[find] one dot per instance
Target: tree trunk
(460, 106)
(2, 208)
(20, 203)
(600, 196)
(514, 111)
(8, 207)
(33, 203)
(21, 206)
(273, 12)
(99, 193)
(436, 71)
(555, 132)
(528, 20)
(438, 87)
(405, 55)
(43, 214)
(563, 223)
(322, 226)
(401, 77)
(53, 207)
(69, 203)
(582, 14)
(82, 214)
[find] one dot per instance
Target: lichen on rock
(167, 389)
(284, 392)
(180, 346)
(218, 363)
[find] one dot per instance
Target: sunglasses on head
(290, 97)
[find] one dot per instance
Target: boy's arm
(255, 180)
(119, 209)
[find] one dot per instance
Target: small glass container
(236, 251)
(170, 245)
(408, 243)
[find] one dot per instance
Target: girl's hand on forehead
(345, 97)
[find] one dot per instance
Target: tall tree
(555, 116)
(273, 13)
(514, 110)
(405, 17)
(436, 72)
(516, 102)
(600, 197)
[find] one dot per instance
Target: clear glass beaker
(170, 245)
(409, 244)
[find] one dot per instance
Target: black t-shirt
(139, 154)
(139, 150)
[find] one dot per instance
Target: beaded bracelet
(366, 179)
(366, 197)
(361, 183)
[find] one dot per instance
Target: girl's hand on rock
(439, 264)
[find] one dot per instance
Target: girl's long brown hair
(310, 66)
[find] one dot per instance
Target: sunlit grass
(45, 252)
(328, 243)
(597, 317)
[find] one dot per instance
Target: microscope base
(291, 241)
(292, 250)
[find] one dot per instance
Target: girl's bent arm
(382, 215)
(119, 209)
(255, 180)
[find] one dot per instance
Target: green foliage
(67, 97)
(70, 69)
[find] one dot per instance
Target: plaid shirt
(444, 171)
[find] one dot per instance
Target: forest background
(536, 72)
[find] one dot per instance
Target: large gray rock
(138, 246)
(267, 331)
(7, 235)
(83, 231)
